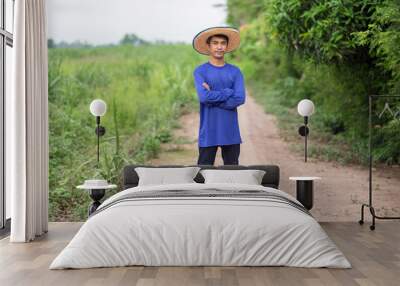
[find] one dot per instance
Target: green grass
(146, 90)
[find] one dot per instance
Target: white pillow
(162, 176)
(249, 177)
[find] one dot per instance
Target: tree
(50, 43)
(132, 39)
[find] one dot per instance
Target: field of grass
(146, 89)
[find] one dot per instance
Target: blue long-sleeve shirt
(218, 106)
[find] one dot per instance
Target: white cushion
(249, 177)
(162, 176)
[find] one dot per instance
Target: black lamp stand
(304, 131)
(97, 194)
(100, 131)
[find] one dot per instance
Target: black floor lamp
(305, 108)
(98, 108)
(97, 187)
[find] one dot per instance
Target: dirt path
(337, 197)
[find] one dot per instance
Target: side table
(304, 190)
(96, 193)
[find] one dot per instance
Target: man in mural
(220, 89)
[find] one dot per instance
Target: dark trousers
(230, 154)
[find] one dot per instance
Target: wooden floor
(374, 255)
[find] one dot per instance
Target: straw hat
(200, 40)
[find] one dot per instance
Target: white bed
(205, 230)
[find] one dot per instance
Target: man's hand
(206, 86)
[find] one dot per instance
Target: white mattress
(200, 231)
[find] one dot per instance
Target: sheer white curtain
(27, 124)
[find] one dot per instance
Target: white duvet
(200, 231)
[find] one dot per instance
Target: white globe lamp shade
(305, 107)
(98, 107)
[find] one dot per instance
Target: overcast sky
(106, 21)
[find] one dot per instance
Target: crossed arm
(226, 98)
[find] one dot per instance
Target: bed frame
(270, 179)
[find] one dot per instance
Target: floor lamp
(97, 187)
(305, 108)
(98, 108)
